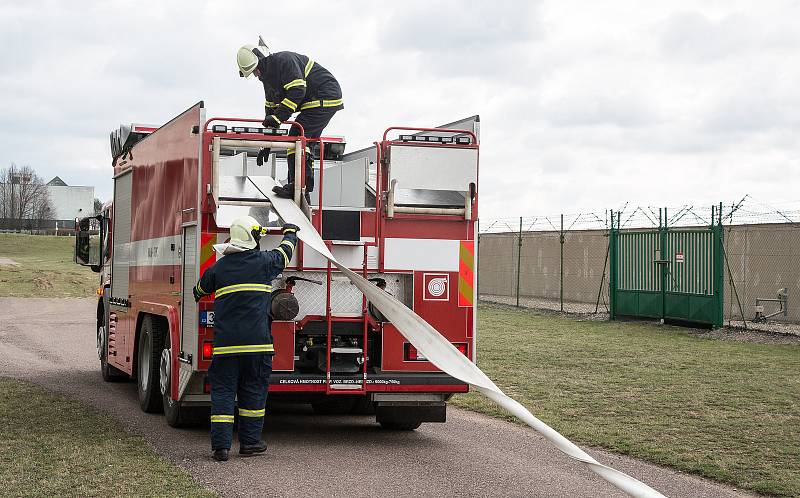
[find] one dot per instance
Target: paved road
(51, 342)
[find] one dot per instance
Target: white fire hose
(443, 354)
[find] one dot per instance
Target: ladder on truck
(342, 387)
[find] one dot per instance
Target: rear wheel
(151, 343)
(176, 413)
(172, 409)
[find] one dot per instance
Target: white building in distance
(69, 202)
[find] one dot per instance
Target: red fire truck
(402, 212)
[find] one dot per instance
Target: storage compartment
(283, 338)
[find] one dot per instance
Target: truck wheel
(176, 413)
(401, 426)
(109, 373)
(172, 409)
(151, 342)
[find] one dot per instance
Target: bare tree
(24, 198)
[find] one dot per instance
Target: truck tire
(176, 413)
(409, 425)
(109, 373)
(173, 411)
(150, 345)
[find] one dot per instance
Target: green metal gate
(667, 273)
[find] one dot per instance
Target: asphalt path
(52, 343)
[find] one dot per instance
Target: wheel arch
(169, 315)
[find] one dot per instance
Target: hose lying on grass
(442, 353)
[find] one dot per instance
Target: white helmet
(247, 61)
(245, 232)
(248, 56)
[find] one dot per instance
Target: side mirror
(88, 243)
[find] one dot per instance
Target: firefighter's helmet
(247, 61)
(248, 56)
(246, 232)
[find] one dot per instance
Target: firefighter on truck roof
(242, 356)
(292, 83)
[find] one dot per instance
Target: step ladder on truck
(403, 211)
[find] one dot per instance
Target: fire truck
(401, 212)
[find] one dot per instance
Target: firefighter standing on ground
(293, 83)
(242, 356)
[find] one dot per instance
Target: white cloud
(584, 105)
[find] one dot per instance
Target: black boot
(252, 449)
(221, 455)
(285, 192)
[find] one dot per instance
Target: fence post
(662, 268)
(719, 270)
(519, 256)
(612, 270)
(561, 265)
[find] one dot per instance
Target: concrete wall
(540, 266)
(762, 259)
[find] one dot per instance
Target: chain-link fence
(561, 262)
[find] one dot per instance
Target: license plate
(207, 318)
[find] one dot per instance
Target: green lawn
(45, 269)
(721, 409)
(51, 446)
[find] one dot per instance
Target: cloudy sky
(584, 105)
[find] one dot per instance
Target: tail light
(461, 346)
(208, 350)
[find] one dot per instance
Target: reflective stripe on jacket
(294, 82)
(242, 287)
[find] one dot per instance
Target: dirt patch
(749, 335)
(8, 262)
(42, 283)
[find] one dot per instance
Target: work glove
(290, 228)
(196, 294)
(263, 155)
(271, 121)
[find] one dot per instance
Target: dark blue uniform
(242, 357)
(294, 82)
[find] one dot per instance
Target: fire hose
(443, 354)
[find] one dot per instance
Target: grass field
(725, 410)
(45, 268)
(51, 446)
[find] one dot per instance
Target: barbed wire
(745, 211)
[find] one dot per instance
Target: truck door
(189, 276)
(120, 272)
